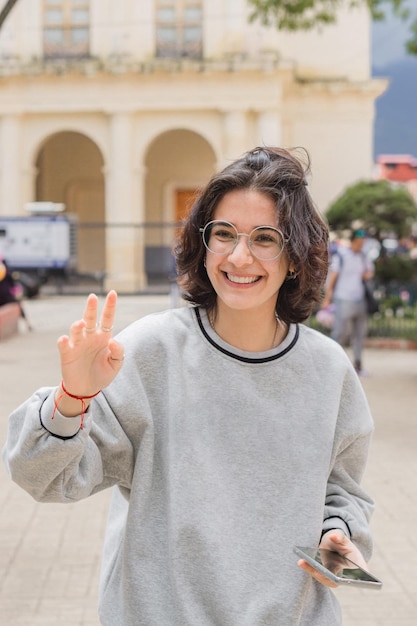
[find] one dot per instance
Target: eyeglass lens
(264, 242)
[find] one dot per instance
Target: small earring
(291, 275)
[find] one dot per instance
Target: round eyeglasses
(265, 242)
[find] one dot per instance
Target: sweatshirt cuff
(56, 423)
(335, 523)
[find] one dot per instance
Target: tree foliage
(293, 15)
(389, 269)
(378, 205)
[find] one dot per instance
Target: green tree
(293, 15)
(383, 209)
(380, 206)
(391, 269)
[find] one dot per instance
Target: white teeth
(242, 279)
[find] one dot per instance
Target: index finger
(90, 312)
(319, 576)
(109, 311)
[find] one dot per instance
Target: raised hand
(90, 357)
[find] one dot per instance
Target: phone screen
(337, 567)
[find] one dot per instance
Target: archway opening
(178, 163)
(70, 171)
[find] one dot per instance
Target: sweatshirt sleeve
(54, 460)
(347, 505)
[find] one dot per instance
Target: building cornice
(123, 65)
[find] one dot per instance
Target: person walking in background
(349, 268)
(229, 431)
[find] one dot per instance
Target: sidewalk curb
(390, 343)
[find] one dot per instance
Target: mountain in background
(395, 127)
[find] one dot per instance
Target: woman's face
(242, 281)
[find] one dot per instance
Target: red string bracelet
(82, 399)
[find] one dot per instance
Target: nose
(241, 254)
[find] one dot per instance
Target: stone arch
(177, 162)
(69, 169)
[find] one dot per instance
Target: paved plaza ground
(50, 554)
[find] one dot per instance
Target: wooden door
(183, 202)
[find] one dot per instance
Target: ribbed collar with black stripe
(241, 355)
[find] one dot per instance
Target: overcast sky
(388, 39)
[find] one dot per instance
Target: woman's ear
(291, 274)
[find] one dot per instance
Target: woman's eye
(224, 234)
(265, 238)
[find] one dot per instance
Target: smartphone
(338, 568)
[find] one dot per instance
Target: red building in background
(397, 167)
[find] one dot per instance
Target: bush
(379, 205)
(395, 268)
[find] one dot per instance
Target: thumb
(339, 537)
(116, 353)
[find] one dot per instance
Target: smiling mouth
(242, 280)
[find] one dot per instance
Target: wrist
(69, 403)
(68, 407)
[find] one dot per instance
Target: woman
(229, 431)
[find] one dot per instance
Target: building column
(28, 183)
(125, 254)
(10, 168)
(235, 133)
(269, 131)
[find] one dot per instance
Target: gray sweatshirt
(221, 461)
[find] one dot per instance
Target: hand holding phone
(337, 568)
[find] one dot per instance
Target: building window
(66, 28)
(179, 30)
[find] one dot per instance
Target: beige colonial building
(122, 109)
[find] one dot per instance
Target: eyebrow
(224, 221)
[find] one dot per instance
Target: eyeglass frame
(202, 230)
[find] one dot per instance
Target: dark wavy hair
(281, 175)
